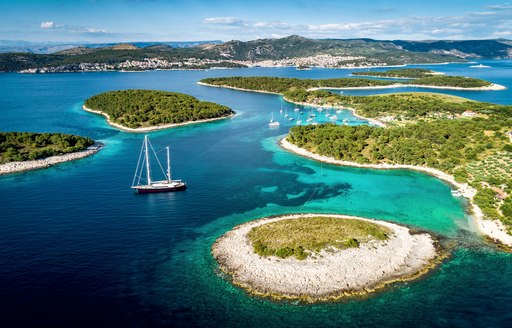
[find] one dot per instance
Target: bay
(78, 248)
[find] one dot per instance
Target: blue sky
(176, 20)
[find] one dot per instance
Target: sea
(78, 248)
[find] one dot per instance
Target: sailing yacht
(154, 186)
(273, 123)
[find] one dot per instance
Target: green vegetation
(452, 81)
(425, 77)
(303, 236)
(462, 148)
(410, 73)
(24, 146)
(404, 107)
(280, 84)
(145, 108)
(424, 129)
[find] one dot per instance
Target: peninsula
(319, 257)
(463, 142)
(24, 151)
(148, 110)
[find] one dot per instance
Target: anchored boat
(151, 186)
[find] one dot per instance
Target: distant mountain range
(289, 51)
(53, 47)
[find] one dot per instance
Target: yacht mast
(148, 169)
(168, 165)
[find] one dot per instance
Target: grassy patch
(300, 237)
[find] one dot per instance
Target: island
(465, 143)
(320, 257)
(24, 151)
(148, 110)
(281, 84)
(401, 73)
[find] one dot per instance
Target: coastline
(16, 167)
(372, 121)
(493, 229)
(492, 87)
(332, 274)
(151, 128)
(235, 88)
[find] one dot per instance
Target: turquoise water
(78, 248)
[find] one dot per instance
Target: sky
(98, 21)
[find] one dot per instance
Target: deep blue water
(78, 248)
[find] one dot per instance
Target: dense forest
(281, 84)
(425, 77)
(23, 146)
(452, 146)
(404, 106)
(410, 73)
(144, 108)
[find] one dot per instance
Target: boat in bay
(273, 123)
(143, 182)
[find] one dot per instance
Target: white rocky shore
(493, 229)
(330, 274)
(150, 128)
(14, 167)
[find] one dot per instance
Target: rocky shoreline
(15, 167)
(493, 229)
(329, 275)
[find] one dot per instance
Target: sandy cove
(15, 167)
(150, 128)
(330, 275)
(493, 229)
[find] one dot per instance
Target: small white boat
(296, 109)
(456, 193)
(309, 120)
(290, 118)
(339, 111)
(479, 66)
(299, 122)
(320, 109)
(333, 118)
(272, 123)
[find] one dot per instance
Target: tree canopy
(145, 108)
(24, 146)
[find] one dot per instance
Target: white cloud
(224, 21)
(47, 25)
(504, 6)
(470, 25)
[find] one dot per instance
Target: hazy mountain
(53, 47)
